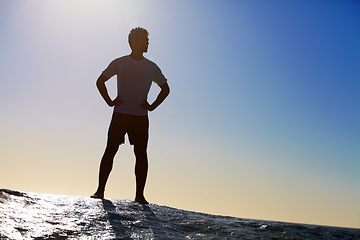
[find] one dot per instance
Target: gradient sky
(263, 120)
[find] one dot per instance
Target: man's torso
(134, 80)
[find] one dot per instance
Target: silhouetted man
(135, 74)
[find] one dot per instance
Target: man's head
(139, 39)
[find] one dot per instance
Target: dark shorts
(137, 128)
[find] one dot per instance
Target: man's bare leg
(141, 169)
(105, 169)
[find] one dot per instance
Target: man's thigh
(138, 131)
(117, 130)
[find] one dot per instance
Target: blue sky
(262, 120)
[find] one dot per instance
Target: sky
(262, 122)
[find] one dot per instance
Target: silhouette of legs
(137, 129)
(105, 169)
(141, 169)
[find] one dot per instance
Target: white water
(45, 216)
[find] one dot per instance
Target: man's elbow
(165, 89)
(101, 81)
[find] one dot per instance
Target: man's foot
(97, 195)
(141, 200)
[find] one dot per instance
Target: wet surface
(45, 216)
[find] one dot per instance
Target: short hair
(135, 32)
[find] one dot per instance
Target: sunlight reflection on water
(45, 216)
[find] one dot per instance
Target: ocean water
(45, 216)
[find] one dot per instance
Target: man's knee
(140, 150)
(111, 149)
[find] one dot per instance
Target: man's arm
(165, 90)
(100, 83)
